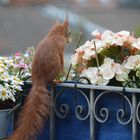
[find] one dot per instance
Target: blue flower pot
(5, 116)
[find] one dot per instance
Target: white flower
(16, 81)
(87, 45)
(11, 96)
(72, 73)
(131, 39)
(107, 72)
(114, 39)
(107, 34)
(138, 72)
(1, 69)
(17, 87)
(109, 69)
(87, 51)
(3, 94)
(102, 81)
(100, 45)
(122, 77)
(124, 38)
(26, 55)
(118, 68)
(119, 41)
(10, 92)
(26, 74)
(5, 77)
(89, 72)
(96, 33)
(132, 62)
(122, 72)
(2, 66)
(108, 61)
(75, 59)
(3, 58)
(124, 35)
(88, 54)
(111, 40)
(92, 74)
(9, 62)
(136, 44)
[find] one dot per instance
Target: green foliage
(134, 79)
(118, 53)
(112, 52)
(93, 63)
(137, 31)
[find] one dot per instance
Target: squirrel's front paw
(56, 81)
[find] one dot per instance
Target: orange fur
(47, 65)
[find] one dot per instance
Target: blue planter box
(71, 128)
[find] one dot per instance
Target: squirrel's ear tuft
(66, 22)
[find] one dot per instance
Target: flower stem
(78, 41)
(97, 60)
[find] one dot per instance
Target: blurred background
(23, 23)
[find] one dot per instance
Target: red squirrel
(48, 63)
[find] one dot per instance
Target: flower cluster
(23, 63)
(108, 55)
(13, 71)
(9, 82)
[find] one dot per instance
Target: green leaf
(113, 52)
(93, 63)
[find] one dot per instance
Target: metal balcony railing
(94, 111)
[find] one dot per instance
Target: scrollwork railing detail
(61, 110)
(80, 110)
(137, 112)
(103, 114)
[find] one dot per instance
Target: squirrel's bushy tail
(35, 111)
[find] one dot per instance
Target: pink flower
(21, 66)
(18, 54)
(107, 34)
(96, 34)
(124, 35)
(136, 44)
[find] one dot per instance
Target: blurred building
(26, 26)
(23, 2)
(115, 15)
(82, 3)
(129, 3)
(97, 3)
(101, 3)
